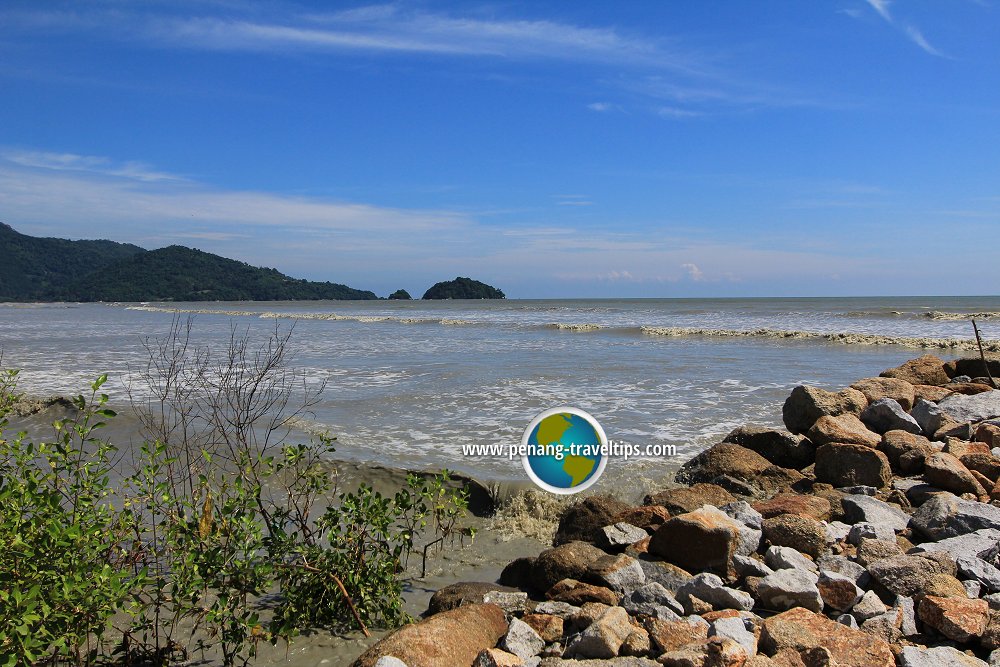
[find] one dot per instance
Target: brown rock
(900, 391)
(636, 644)
(843, 428)
(453, 637)
(581, 620)
(944, 586)
(871, 551)
(685, 499)
(671, 635)
(801, 533)
(908, 574)
(779, 447)
(761, 661)
(648, 518)
(957, 619)
(927, 369)
(462, 593)
(990, 639)
(968, 388)
(973, 367)
(704, 539)
(843, 464)
(577, 593)
(583, 520)
(959, 448)
(930, 392)
(548, 626)
(989, 434)
(517, 573)
(495, 657)
(802, 630)
(815, 507)
(947, 472)
(983, 480)
(567, 561)
(603, 637)
(723, 459)
(896, 443)
(711, 652)
(805, 405)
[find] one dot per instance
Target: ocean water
(408, 383)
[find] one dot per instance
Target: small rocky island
(867, 534)
(463, 288)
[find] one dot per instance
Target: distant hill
(463, 288)
(61, 270)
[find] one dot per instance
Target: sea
(408, 383)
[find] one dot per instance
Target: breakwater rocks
(867, 534)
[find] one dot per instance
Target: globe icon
(564, 450)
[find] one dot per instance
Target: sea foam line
(843, 338)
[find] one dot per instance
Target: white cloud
(882, 7)
(87, 163)
(910, 30)
(600, 107)
(693, 272)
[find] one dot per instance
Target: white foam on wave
(845, 338)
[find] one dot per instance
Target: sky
(686, 148)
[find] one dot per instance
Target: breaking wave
(844, 338)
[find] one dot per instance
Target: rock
(945, 515)
(793, 503)
(779, 447)
(848, 620)
(984, 463)
(977, 569)
(651, 600)
(976, 408)
(973, 589)
(897, 443)
(522, 640)
(907, 609)
(517, 573)
(905, 575)
(561, 609)
(886, 414)
(978, 544)
(846, 567)
(927, 369)
(872, 551)
(871, 510)
(870, 531)
(988, 433)
(637, 643)
(742, 512)
(734, 628)
(602, 638)
(957, 619)
(721, 460)
(944, 586)
(939, 656)
(947, 472)
(453, 637)
(548, 626)
(786, 589)
(512, 602)
(929, 393)
(620, 573)
(972, 367)
(928, 416)
(785, 558)
(868, 606)
(959, 447)
(838, 591)
(704, 539)
(462, 593)
(666, 574)
(567, 561)
(495, 657)
(389, 661)
(848, 465)
(584, 520)
(876, 389)
(801, 631)
(649, 518)
(587, 614)
(837, 531)
(885, 626)
(711, 589)
(685, 499)
(620, 535)
(719, 651)
(801, 533)
(750, 567)
(671, 635)
(613, 662)
(805, 405)
(577, 593)
(842, 429)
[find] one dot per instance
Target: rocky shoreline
(867, 535)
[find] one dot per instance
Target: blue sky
(554, 149)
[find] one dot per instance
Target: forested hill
(46, 269)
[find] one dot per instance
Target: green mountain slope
(463, 288)
(38, 269)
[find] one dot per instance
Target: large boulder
(567, 561)
(452, 637)
(927, 369)
(798, 532)
(928, 416)
(779, 447)
(603, 637)
(802, 631)
(583, 520)
(684, 499)
(723, 459)
(842, 464)
(977, 408)
(897, 443)
(462, 593)
(704, 539)
(788, 588)
(947, 472)
(945, 515)
(807, 404)
(938, 656)
(906, 575)
(886, 414)
(816, 507)
(972, 367)
(842, 428)
(878, 388)
(957, 619)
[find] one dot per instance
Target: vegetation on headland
(400, 295)
(213, 512)
(463, 288)
(48, 269)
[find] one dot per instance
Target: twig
(340, 585)
(982, 355)
(423, 569)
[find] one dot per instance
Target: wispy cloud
(911, 31)
(137, 171)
